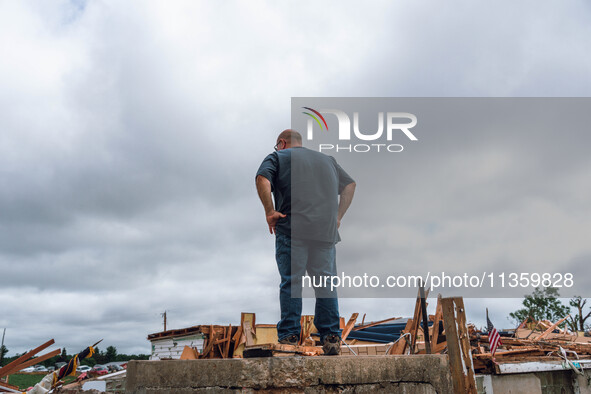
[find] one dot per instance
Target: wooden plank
(248, 316)
(425, 317)
(416, 319)
(464, 338)
(237, 337)
(306, 324)
(453, 346)
(440, 347)
(248, 333)
(14, 365)
(208, 348)
(400, 346)
(10, 386)
(349, 326)
(436, 320)
(362, 326)
(510, 353)
(227, 347)
(239, 341)
(39, 359)
(276, 349)
(551, 328)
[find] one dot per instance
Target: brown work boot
(290, 340)
(332, 345)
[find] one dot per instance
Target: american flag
(494, 339)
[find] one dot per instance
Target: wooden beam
(349, 326)
(400, 346)
(248, 333)
(551, 328)
(425, 317)
(39, 359)
(416, 319)
(463, 382)
(227, 347)
(362, 326)
(465, 344)
(436, 320)
(439, 347)
(10, 386)
(14, 365)
(208, 349)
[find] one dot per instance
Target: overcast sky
(130, 133)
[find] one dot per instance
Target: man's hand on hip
(272, 218)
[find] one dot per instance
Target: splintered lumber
(440, 347)
(462, 372)
(208, 350)
(425, 317)
(237, 338)
(400, 346)
(306, 326)
(276, 349)
(551, 328)
(16, 364)
(226, 353)
(223, 342)
(435, 332)
(245, 335)
(512, 353)
(464, 336)
(414, 330)
(349, 326)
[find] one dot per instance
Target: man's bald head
(289, 138)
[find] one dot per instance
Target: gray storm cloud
(130, 133)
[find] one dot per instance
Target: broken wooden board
(189, 353)
(458, 345)
(400, 346)
(551, 328)
(349, 326)
(16, 365)
(366, 350)
(373, 324)
(276, 349)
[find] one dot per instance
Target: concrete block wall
(421, 374)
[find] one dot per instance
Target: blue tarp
(382, 333)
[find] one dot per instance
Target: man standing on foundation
(307, 212)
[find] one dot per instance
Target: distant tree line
(99, 357)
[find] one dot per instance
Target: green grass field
(26, 380)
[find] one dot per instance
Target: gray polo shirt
(306, 186)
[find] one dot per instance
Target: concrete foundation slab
(422, 374)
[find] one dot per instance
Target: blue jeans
(295, 257)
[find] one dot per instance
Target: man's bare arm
(264, 191)
(345, 201)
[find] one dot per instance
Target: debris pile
(532, 341)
